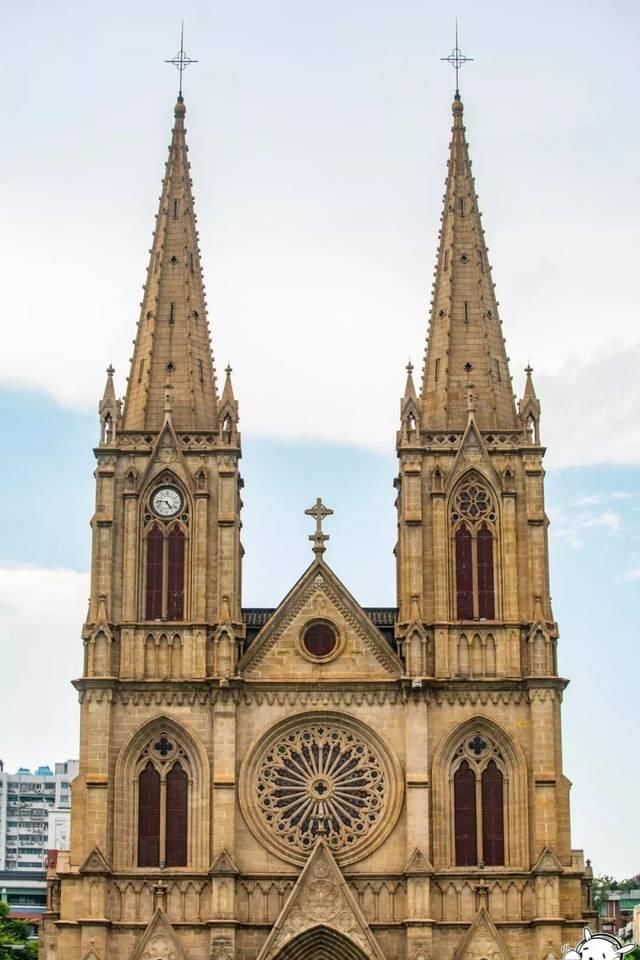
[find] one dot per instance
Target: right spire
(465, 353)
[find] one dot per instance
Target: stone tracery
(326, 778)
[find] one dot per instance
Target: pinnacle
(410, 390)
(529, 389)
(109, 389)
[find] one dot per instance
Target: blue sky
(318, 141)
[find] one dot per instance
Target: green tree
(14, 935)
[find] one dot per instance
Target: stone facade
(319, 743)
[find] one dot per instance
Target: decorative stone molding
(95, 863)
(474, 697)
(321, 698)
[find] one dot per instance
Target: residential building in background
(618, 912)
(35, 816)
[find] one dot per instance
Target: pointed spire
(464, 330)
(529, 409)
(108, 410)
(173, 333)
(410, 390)
(529, 389)
(227, 394)
(109, 395)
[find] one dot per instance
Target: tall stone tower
(319, 780)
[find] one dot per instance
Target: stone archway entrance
(321, 943)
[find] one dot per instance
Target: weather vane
(181, 61)
(456, 58)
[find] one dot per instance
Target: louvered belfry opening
(486, 576)
(165, 557)
(154, 573)
(474, 529)
(464, 573)
(175, 574)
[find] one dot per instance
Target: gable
(482, 941)
(321, 900)
(159, 941)
(284, 648)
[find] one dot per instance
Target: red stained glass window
(320, 639)
(155, 573)
(464, 573)
(493, 815)
(486, 588)
(149, 817)
(175, 575)
(464, 801)
(176, 833)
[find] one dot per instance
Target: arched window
(166, 522)
(478, 803)
(473, 520)
(149, 817)
(155, 573)
(163, 804)
(175, 574)
(464, 792)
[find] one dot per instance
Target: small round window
(320, 639)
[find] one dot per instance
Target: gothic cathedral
(320, 780)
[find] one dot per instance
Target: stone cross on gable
(319, 512)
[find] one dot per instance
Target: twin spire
(173, 343)
(465, 363)
(465, 354)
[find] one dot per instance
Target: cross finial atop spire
(181, 61)
(319, 512)
(456, 58)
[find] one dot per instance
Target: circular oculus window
(324, 775)
(320, 640)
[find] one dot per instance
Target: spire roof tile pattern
(465, 347)
(172, 344)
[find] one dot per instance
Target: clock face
(166, 502)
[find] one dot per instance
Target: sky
(318, 139)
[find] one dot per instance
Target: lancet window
(163, 788)
(478, 799)
(474, 532)
(166, 530)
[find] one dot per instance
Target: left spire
(172, 343)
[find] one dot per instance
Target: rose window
(319, 779)
(473, 502)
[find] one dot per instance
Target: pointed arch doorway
(321, 943)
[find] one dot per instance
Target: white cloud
(41, 613)
(319, 221)
(570, 525)
(587, 500)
